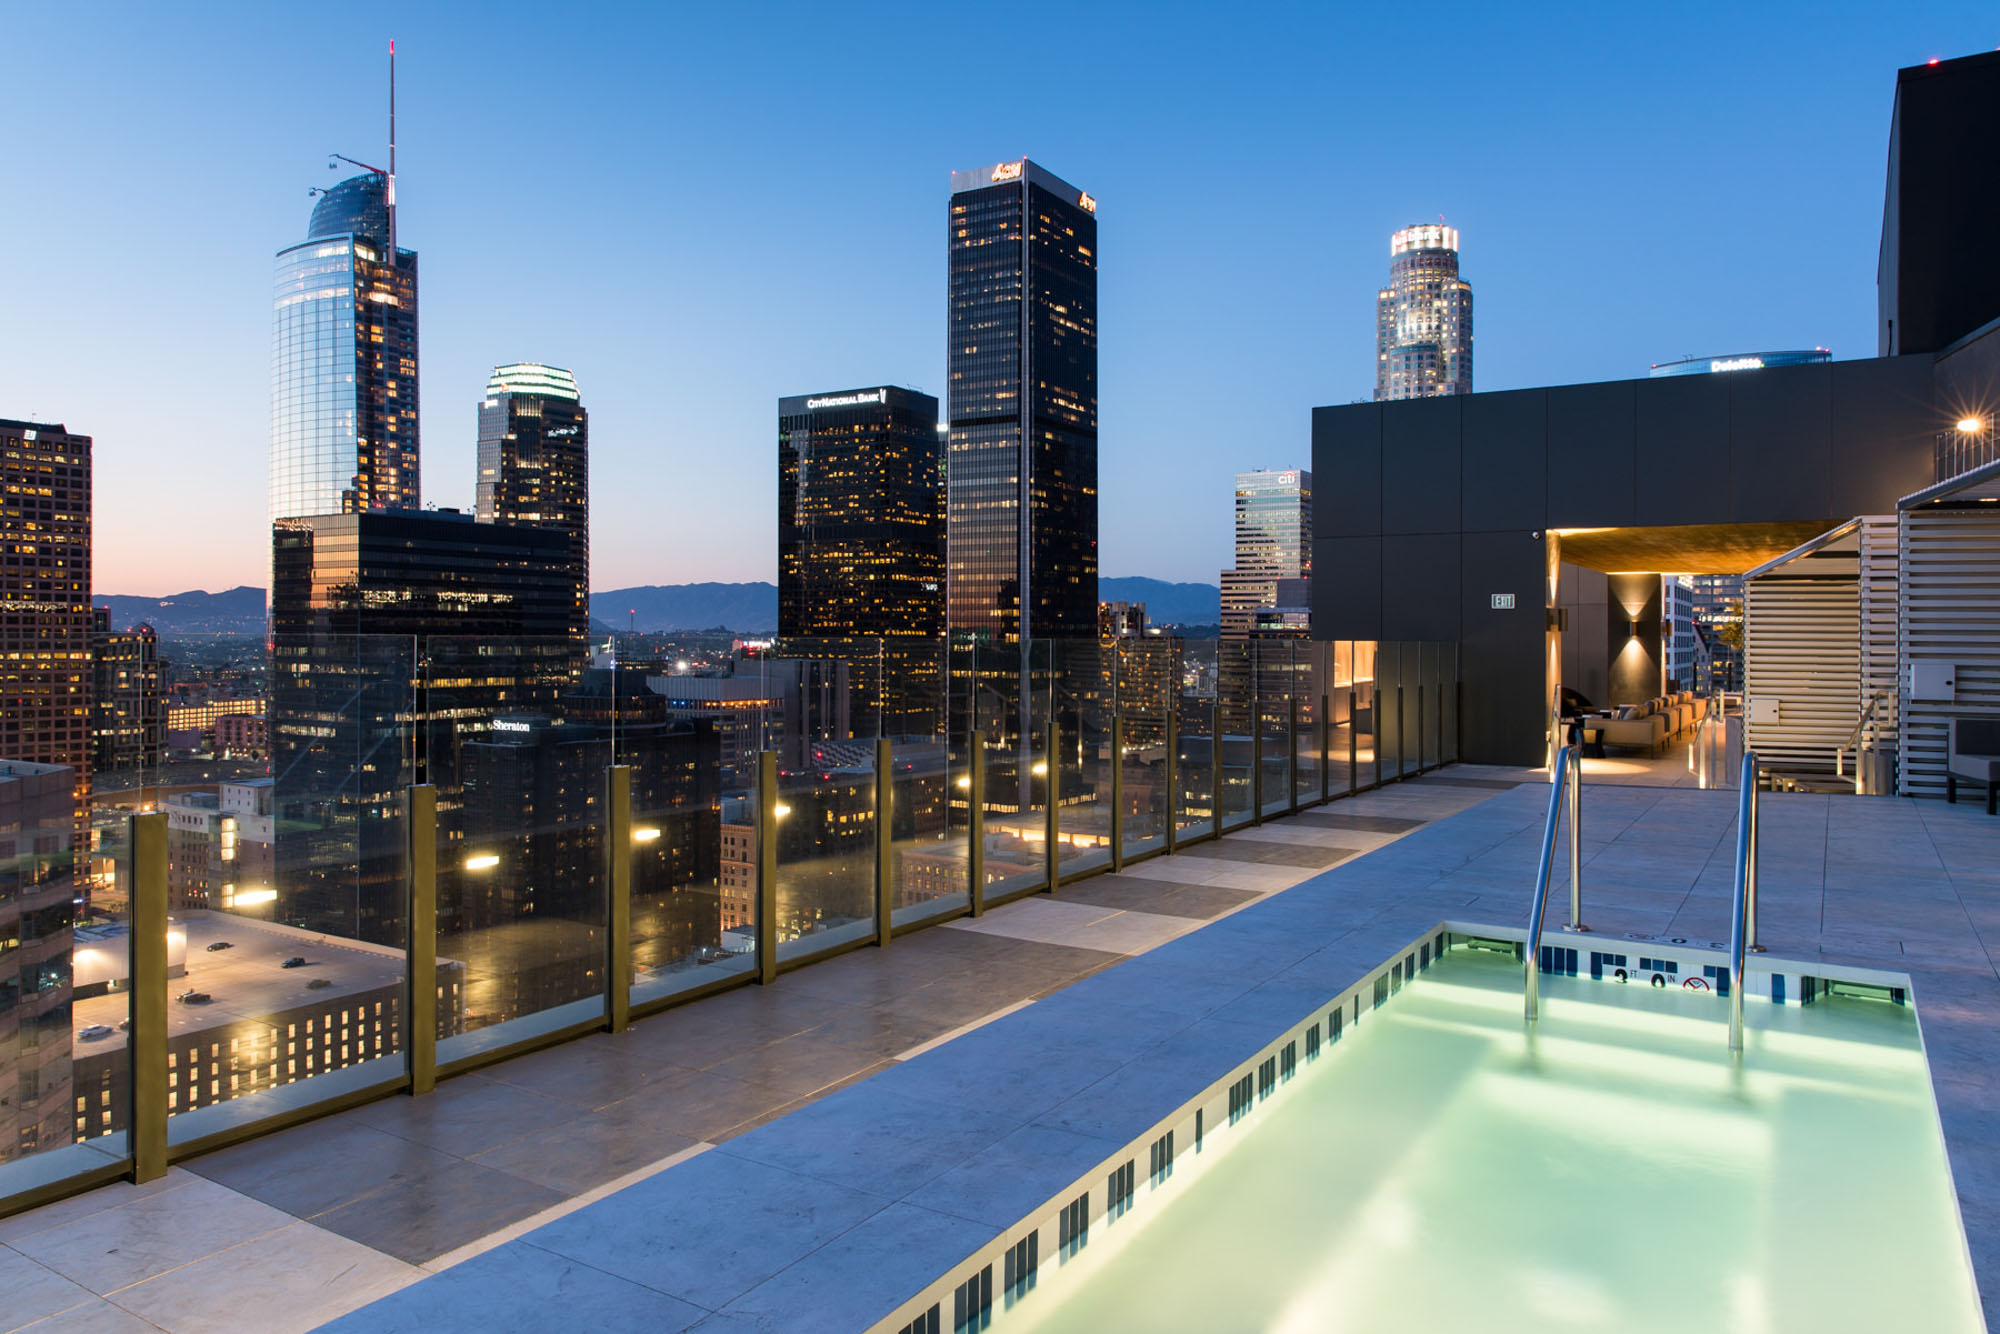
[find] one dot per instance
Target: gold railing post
(767, 866)
(420, 1031)
(148, 915)
(619, 852)
(1117, 794)
(885, 843)
(975, 824)
(1172, 771)
(1052, 815)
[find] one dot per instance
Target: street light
(1971, 425)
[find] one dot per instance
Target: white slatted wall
(1880, 599)
(1950, 613)
(1802, 649)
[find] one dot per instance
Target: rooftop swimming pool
(1443, 1165)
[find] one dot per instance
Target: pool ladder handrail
(1743, 908)
(1566, 788)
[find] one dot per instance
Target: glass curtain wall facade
(861, 545)
(1273, 543)
(1423, 318)
(534, 466)
(45, 635)
(341, 727)
(344, 362)
(1022, 362)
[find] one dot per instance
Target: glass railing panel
(1367, 712)
(931, 785)
(517, 736)
(1411, 707)
(1084, 687)
(1342, 758)
(1311, 679)
(1449, 713)
(1009, 704)
(290, 891)
(1146, 689)
(693, 850)
(1193, 688)
(1237, 710)
(1275, 686)
(64, 991)
(826, 849)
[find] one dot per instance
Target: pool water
(1441, 1168)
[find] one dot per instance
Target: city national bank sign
(848, 400)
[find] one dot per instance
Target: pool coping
(1004, 1269)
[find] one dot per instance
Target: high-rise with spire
(344, 355)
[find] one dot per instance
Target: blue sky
(700, 209)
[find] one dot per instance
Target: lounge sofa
(1649, 726)
(1972, 755)
(1641, 727)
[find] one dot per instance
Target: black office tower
(1933, 285)
(396, 638)
(861, 547)
(1022, 360)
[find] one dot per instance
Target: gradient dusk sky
(700, 209)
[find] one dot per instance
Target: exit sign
(1503, 602)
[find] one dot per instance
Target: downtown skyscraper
(534, 465)
(45, 634)
(1423, 318)
(1273, 547)
(1021, 510)
(861, 545)
(344, 360)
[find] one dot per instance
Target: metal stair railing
(1564, 789)
(1743, 908)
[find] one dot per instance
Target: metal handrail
(1743, 909)
(1531, 984)
(1854, 738)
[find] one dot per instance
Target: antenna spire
(391, 195)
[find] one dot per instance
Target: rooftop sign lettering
(849, 400)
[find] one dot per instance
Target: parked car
(92, 1032)
(319, 984)
(220, 945)
(296, 961)
(194, 998)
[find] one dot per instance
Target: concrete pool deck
(831, 1216)
(952, 1076)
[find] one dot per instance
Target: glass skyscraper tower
(1021, 509)
(1423, 318)
(344, 361)
(534, 465)
(1273, 544)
